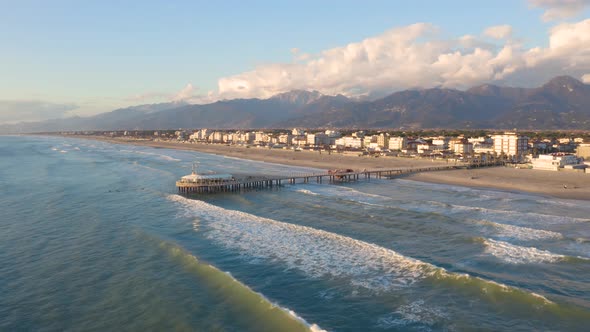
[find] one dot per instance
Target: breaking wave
(315, 252)
(234, 293)
(157, 155)
(513, 254)
(307, 192)
(415, 313)
(505, 231)
(499, 217)
(322, 254)
(518, 217)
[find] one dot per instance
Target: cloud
(147, 97)
(191, 95)
(187, 93)
(586, 78)
(498, 32)
(417, 56)
(12, 111)
(560, 9)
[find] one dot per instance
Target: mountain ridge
(561, 103)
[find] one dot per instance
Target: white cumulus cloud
(417, 56)
(560, 9)
(185, 94)
(189, 94)
(499, 31)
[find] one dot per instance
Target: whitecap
(505, 231)
(307, 192)
(413, 313)
(507, 216)
(513, 254)
(317, 253)
(322, 254)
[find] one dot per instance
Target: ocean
(94, 237)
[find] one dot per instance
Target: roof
(195, 177)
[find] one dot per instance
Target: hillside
(561, 103)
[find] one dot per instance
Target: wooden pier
(234, 184)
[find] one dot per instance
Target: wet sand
(570, 185)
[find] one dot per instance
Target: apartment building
(511, 144)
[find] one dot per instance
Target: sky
(78, 58)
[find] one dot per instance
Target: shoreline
(565, 185)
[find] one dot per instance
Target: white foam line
(315, 252)
(161, 156)
(514, 254)
(346, 194)
(520, 233)
(493, 214)
(413, 313)
(307, 192)
(505, 230)
(293, 314)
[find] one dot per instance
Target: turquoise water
(93, 236)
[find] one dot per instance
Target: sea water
(94, 236)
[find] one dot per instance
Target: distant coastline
(566, 185)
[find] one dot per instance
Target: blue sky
(86, 57)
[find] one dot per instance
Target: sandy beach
(569, 185)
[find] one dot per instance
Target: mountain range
(561, 103)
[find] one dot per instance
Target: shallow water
(93, 236)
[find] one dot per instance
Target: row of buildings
(541, 153)
(510, 145)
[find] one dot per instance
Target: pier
(196, 183)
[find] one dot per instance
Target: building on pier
(204, 182)
(195, 178)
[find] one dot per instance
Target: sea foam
(521, 233)
(413, 313)
(514, 254)
(317, 253)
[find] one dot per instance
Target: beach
(568, 185)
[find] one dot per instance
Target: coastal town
(543, 152)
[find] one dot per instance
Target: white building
(583, 151)
(554, 161)
(260, 137)
(424, 148)
(318, 139)
(483, 148)
(350, 142)
(383, 140)
(216, 137)
(286, 139)
(373, 147)
(441, 143)
(511, 145)
(462, 147)
(397, 143)
(333, 133)
(297, 132)
(369, 139)
(299, 140)
(481, 139)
